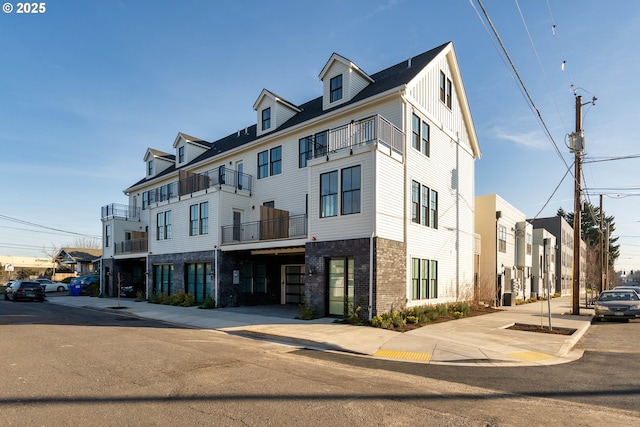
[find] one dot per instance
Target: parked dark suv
(24, 290)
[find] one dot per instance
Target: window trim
(266, 118)
(277, 163)
(329, 195)
(352, 192)
(263, 164)
(181, 154)
(335, 91)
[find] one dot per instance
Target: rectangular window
(426, 149)
(320, 145)
(415, 278)
(446, 89)
(433, 212)
(163, 279)
(305, 151)
(163, 226)
(199, 280)
(351, 190)
(529, 244)
(204, 218)
(415, 132)
(107, 236)
(222, 174)
(269, 204)
(276, 160)
(449, 93)
(329, 194)
(424, 206)
(150, 167)
(443, 82)
(266, 118)
(193, 220)
(263, 164)
(433, 279)
(502, 238)
(181, 154)
(335, 88)
(199, 219)
(415, 202)
(145, 200)
(424, 279)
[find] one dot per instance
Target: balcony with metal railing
(131, 246)
(366, 131)
(289, 227)
(115, 210)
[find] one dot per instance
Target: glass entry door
(293, 284)
(340, 286)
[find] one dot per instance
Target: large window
(424, 205)
(163, 225)
(199, 280)
(336, 88)
(420, 131)
(276, 160)
(268, 167)
(424, 279)
(311, 147)
(351, 190)
(163, 279)
(150, 167)
(181, 154)
(266, 118)
(199, 219)
(329, 194)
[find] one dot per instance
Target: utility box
(507, 300)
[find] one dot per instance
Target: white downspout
(373, 233)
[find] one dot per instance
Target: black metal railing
(290, 227)
(372, 129)
(115, 210)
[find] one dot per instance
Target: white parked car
(51, 286)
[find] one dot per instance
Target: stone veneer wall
(179, 260)
(391, 276)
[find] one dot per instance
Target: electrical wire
(32, 224)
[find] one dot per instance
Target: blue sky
(87, 86)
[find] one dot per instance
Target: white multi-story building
(507, 249)
(362, 197)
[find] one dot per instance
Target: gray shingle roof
(389, 78)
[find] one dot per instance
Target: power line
(32, 224)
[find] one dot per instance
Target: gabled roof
(268, 94)
(396, 76)
(338, 58)
(191, 139)
(73, 255)
(159, 154)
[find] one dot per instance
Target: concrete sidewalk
(483, 340)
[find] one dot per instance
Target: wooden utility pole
(577, 214)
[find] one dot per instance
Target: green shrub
(208, 303)
(307, 311)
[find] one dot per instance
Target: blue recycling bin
(75, 290)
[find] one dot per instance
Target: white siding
(342, 227)
(390, 198)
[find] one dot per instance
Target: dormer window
(336, 88)
(266, 118)
(150, 167)
(181, 154)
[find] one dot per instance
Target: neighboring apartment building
(361, 197)
(506, 258)
(563, 233)
(543, 277)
